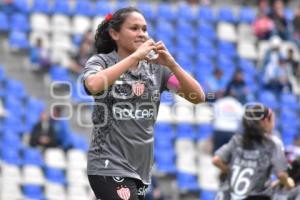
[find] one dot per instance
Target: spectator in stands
(154, 192)
(293, 63)
(216, 83)
(237, 87)
(2, 110)
(43, 134)
(120, 157)
(263, 26)
(296, 28)
(278, 17)
(263, 7)
(254, 154)
(228, 113)
(40, 56)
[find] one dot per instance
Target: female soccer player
(127, 88)
(249, 159)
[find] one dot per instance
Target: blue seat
(204, 65)
(186, 13)
(185, 130)
(19, 22)
(84, 7)
(120, 5)
(187, 182)
(41, 6)
(55, 175)
(269, 99)
(247, 15)
(184, 60)
(248, 67)
(103, 7)
(163, 128)
(166, 28)
(9, 123)
(206, 31)
(165, 161)
(185, 47)
(166, 98)
(164, 11)
(226, 48)
(59, 73)
(4, 24)
(288, 100)
(15, 88)
(10, 155)
(32, 156)
(227, 65)
(206, 48)
(62, 7)
(22, 6)
(79, 142)
(147, 10)
(18, 40)
(185, 30)
(33, 191)
(226, 14)
(206, 14)
(204, 131)
(207, 195)
(289, 14)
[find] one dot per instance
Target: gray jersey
(250, 170)
(281, 193)
(123, 118)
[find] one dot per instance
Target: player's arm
(218, 162)
(101, 80)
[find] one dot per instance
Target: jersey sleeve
(278, 159)
(166, 75)
(224, 152)
(95, 64)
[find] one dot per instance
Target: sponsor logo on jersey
(125, 111)
(124, 193)
(142, 191)
(118, 179)
(138, 88)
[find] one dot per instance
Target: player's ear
(113, 34)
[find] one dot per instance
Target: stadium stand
(202, 38)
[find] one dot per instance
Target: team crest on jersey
(138, 88)
(124, 193)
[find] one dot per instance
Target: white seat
(204, 113)
(55, 157)
(81, 24)
(247, 50)
(55, 191)
(184, 146)
(96, 21)
(10, 174)
(165, 114)
(77, 177)
(60, 56)
(60, 24)
(40, 23)
(245, 33)
(77, 193)
(33, 175)
(61, 42)
(207, 173)
(184, 113)
(226, 32)
(76, 159)
(186, 156)
(34, 35)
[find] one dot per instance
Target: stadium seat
(61, 42)
(84, 7)
(18, 41)
(41, 6)
(33, 191)
(77, 193)
(76, 159)
(226, 48)
(32, 175)
(62, 7)
(268, 98)
(34, 35)
(204, 113)
(206, 14)
(289, 14)
(40, 23)
(11, 155)
(4, 24)
(185, 130)
(55, 175)
(185, 30)
(81, 24)
(187, 182)
(245, 33)
(247, 15)
(165, 161)
(207, 195)
(22, 6)
(32, 156)
(103, 7)
(226, 32)
(186, 13)
(147, 10)
(185, 60)
(206, 31)
(226, 14)
(55, 158)
(288, 100)
(10, 191)
(204, 131)
(184, 113)
(247, 50)
(55, 191)
(205, 47)
(166, 28)
(165, 11)
(185, 48)
(165, 113)
(77, 177)
(60, 24)
(19, 22)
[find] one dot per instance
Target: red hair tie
(108, 17)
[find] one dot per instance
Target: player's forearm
(189, 88)
(105, 78)
(220, 164)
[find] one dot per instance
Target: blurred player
(249, 159)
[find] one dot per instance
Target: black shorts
(117, 188)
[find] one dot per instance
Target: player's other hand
(143, 50)
(164, 58)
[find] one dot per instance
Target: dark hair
(294, 170)
(253, 131)
(103, 42)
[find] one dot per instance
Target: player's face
(132, 34)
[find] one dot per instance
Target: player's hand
(290, 183)
(144, 49)
(164, 58)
